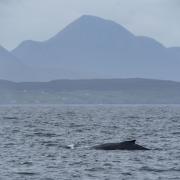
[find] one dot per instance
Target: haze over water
(33, 137)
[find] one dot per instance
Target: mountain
(92, 47)
(94, 91)
(10, 67)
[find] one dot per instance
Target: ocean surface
(33, 140)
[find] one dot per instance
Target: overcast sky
(40, 19)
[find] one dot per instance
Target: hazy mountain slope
(92, 47)
(10, 67)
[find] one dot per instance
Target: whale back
(126, 145)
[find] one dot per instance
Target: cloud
(9, 2)
(6, 1)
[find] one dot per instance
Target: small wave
(108, 164)
(27, 173)
(74, 125)
(9, 145)
(95, 169)
(27, 163)
(132, 117)
(70, 146)
(176, 133)
(79, 130)
(126, 174)
(10, 118)
(174, 118)
(145, 168)
(49, 143)
(40, 134)
(106, 132)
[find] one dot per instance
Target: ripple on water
(27, 173)
(10, 118)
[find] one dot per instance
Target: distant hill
(92, 47)
(14, 69)
(10, 67)
(95, 91)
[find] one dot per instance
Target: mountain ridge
(93, 47)
(87, 83)
(104, 49)
(10, 66)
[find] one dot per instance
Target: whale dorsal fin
(133, 141)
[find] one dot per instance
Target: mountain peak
(91, 17)
(3, 51)
(90, 27)
(2, 48)
(95, 21)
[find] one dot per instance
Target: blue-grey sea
(33, 140)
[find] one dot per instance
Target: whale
(126, 145)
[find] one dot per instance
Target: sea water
(33, 142)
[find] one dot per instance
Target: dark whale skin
(126, 145)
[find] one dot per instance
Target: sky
(41, 19)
